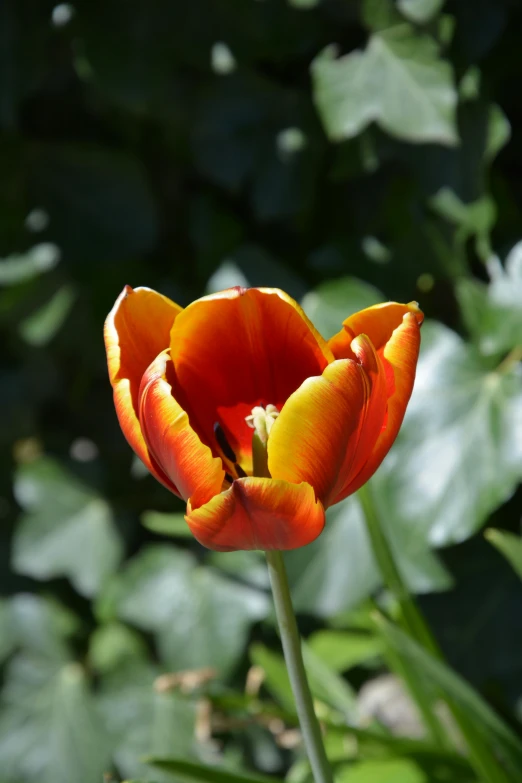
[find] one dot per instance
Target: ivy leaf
(50, 731)
(66, 528)
(337, 571)
(333, 301)
(144, 721)
(420, 11)
(398, 81)
(199, 617)
(492, 312)
(459, 453)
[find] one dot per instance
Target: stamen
(223, 443)
(229, 478)
(262, 419)
(239, 470)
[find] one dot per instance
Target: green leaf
(333, 301)
(379, 14)
(50, 731)
(18, 268)
(248, 566)
(492, 312)
(199, 617)
(36, 624)
(66, 530)
(342, 650)
(420, 11)
(485, 721)
(337, 571)
(389, 770)
(509, 545)
(499, 132)
(459, 453)
(114, 645)
(143, 720)
(325, 684)
(474, 219)
(187, 771)
(166, 524)
(398, 81)
(40, 327)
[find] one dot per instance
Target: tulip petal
(400, 354)
(187, 461)
(136, 330)
(316, 435)
(374, 416)
(258, 513)
(377, 322)
(240, 348)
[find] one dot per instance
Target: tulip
(241, 408)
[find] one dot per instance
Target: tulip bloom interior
(194, 388)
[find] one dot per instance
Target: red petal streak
(184, 458)
(258, 513)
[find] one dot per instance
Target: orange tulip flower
(191, 384)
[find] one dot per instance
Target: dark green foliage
(348, 152)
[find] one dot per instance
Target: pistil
(261, 421)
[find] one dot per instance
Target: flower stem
(481, 758)
(291, 642)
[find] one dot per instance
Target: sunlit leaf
(40, 327)
(509, 545)
(341, 650)
(486, 722)
(166, 524)
(399, 81)
(459, 453)
(199, 617)
(325, 684)
(492, 311)
(332, 302)
(66, 528)
(18, 268)
(389, 770)
(143, 720)
(337, 571)
(50, 731)
(420, 11)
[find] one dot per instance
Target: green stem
(481, 758)
(413, 621)
(291, 642)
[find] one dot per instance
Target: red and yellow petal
(314, 439)
(258, 513)
(171, 440)
(240, 348)
(400, 354)
(377, 322)
(374, 416)
(136, 330)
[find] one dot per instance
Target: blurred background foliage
(348, 152)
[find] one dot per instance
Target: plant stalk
(291, 642)
(481, 758)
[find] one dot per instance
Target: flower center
(261, 420)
